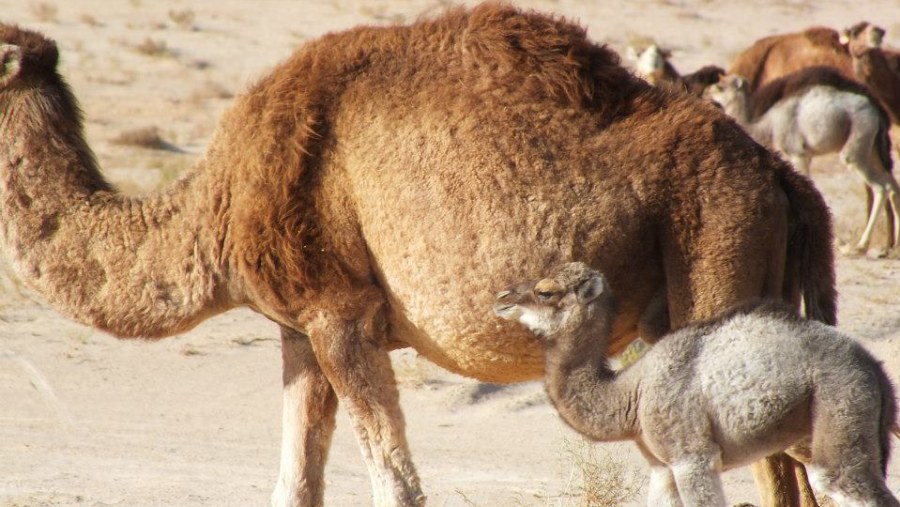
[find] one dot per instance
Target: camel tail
(810, 257)
(888, 415)
(883, 143)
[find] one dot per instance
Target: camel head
(651, 63)
(730, 92)
(25, 56)
(861, 36)
(561, 301)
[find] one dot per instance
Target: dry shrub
(144, 137)
(152, 47)
(211, 90)
(44, 12)
(184, 18)
(605, 482)
(89, 20)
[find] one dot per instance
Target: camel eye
(544, 295)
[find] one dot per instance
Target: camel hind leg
(349, 346)
(848, 450)
(860, 154)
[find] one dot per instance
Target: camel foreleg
(309, 407)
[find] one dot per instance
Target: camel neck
(132, 266)
(741, 110)
(589, 395)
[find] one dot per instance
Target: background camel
(779, 55)
(816, 111)
(306, 232)
(754, 381)
(653, 65)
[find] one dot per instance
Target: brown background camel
(229, 381)
(779, 55)
(304, 196)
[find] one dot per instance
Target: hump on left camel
(715, 395)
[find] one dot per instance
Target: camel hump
(25, 53)
(825, 37)
(555, 54)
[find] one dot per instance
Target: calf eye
(544, 296)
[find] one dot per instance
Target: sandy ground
(194, 420)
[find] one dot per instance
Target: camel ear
(844, 37)
(11, 61)
(877, 36)
(590, 289)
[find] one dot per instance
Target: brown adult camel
(779, 55)
(352, 194)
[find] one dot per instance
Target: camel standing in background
(653, 65)
(753, 381)
(876, 67)
(353, 193)
(776, 56)
(779, 55)
(816, 111)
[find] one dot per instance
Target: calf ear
(590, 289)
(10, 63)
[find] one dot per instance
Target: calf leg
(309, 406)
(663, 491)
(698, 483)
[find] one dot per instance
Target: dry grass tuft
(211, 90)
(144, 137)
(184, 18)
(45, 12)
(153, 47)
(191, 350)
(604, 481)
(89, 20)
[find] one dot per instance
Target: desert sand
(194, 420)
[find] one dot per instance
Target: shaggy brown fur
(354, 193)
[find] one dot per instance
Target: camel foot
(849, 250)
(880, 253)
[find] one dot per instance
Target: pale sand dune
(194, 420)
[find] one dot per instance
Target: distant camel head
(652, 64)
(565, 299)
(730, 92)
(861, 36)
(25, 56)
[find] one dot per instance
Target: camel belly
(500, 352)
